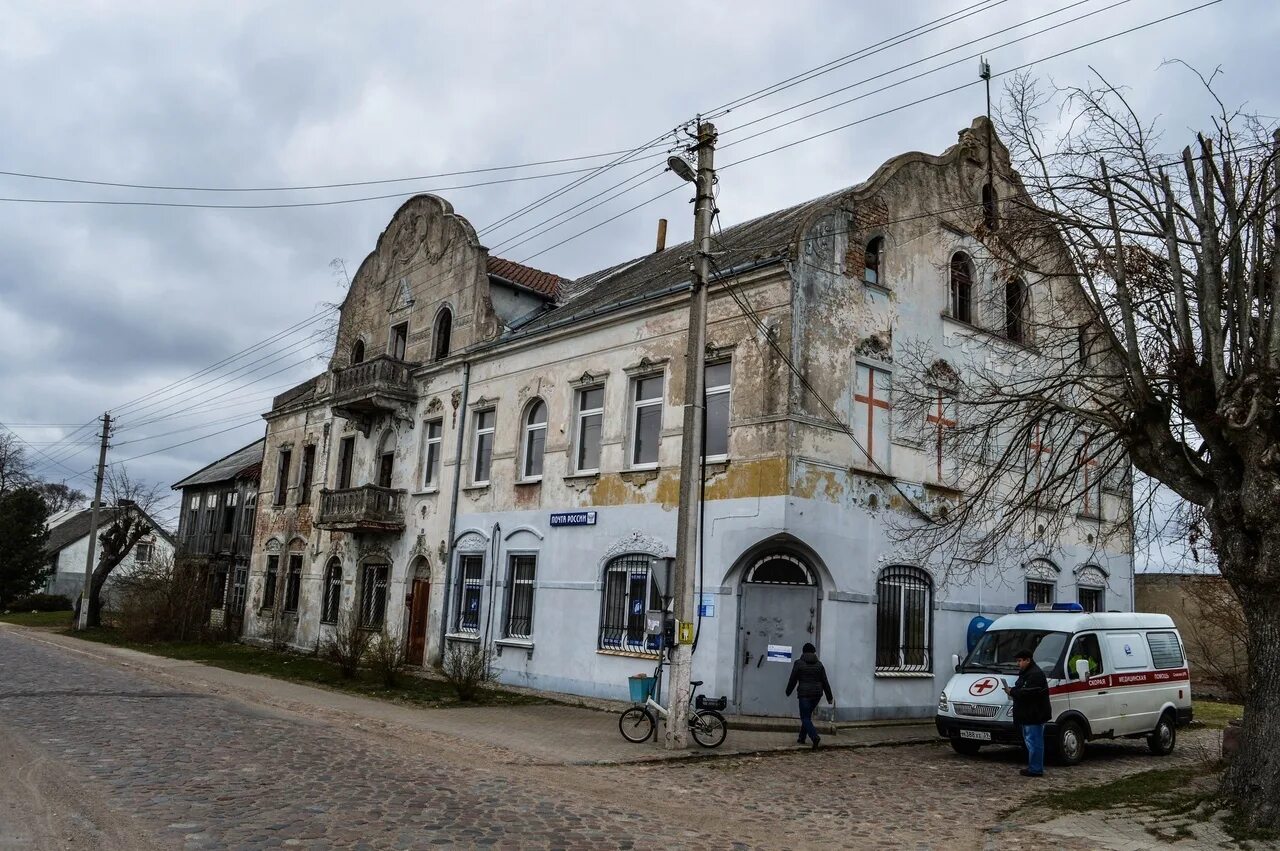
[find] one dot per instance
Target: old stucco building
(491, 457)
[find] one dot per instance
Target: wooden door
(418, 609)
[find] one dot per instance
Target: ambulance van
(1111, 675)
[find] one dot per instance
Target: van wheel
(1162, 739)
(1071, 743)
(965, 747)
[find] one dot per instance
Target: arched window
(535, 440)
(904, 620)
(332, 591)
(629, 592)
(871, 260)
(780, 570)
(357, 352)
(386, 459)
(1015, 310)
(961, 299)
(1042, 582)
(990, 207)
(444, 324)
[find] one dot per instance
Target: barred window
(1090, 599)
(520, 575)
(629, 591)
(332, 592)
(269, 582)
(1041, 593)
(471, 581)
(373, 596)
(293, 583)
(904, 621)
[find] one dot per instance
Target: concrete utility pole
(691, 441)
(83, 620)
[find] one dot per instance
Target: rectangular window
(903, 627)
(589, 424)
(246, 522)
(1090, 599)
(239, 589)
(229, 513)
(332, 593)
(373, 596)
(715, 435)
(346, 453)
(871, 411)
(470, 580)
(282, 475)
(520, 576)
(1088, 650)
(629, 592)
(269, 582)
(483, 447)
(308, 471)
(1166, 650)
(293, 583)
(1041, 592)
(431, 473)
(399, 340)
(646, 420)
(142, 552)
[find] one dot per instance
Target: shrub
(468, 669)
(349, 645)
(164, 602)
(277, 629)
(41, 603)
(387, 658)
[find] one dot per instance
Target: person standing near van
(1031, 709)
(809, 682)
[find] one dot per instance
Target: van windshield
(995, 650)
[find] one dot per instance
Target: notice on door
(779, 653)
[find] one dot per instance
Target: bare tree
(60, 496)
(130, 522)
(15, 466)
(1146, 291)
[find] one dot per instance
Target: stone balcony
(370, 389)
(368, 508)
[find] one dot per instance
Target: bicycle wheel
(708, 728)
(636, 724)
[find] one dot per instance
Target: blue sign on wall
(573, 518)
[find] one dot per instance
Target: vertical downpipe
(453, 505)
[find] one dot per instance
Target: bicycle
(706, 724)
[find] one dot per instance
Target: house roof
(245, 462)
(76, 526)
(537, 280)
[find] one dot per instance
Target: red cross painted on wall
(1038, 448)
(1087, 464)
(872, 402)
(940, 422)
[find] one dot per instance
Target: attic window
(444, 324)
(871, 260)
(357, 353)
(990, 209)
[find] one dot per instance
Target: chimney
(662, 236)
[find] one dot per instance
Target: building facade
(492, 458)
(67, 548)
(215, 529)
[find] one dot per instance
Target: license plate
(980, 735)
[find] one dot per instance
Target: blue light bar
(1073, 608)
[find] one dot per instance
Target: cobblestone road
(194, 770)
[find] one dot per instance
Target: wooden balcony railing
(368, 508)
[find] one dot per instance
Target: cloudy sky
(102, 305)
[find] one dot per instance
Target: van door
(1092, 696)
(1131, 682)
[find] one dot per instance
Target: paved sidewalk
(550, 734)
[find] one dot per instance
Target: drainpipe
(453, 503)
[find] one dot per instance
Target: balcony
(367, 390)
(363, 509)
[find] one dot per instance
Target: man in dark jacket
(809, 682)
(1031, 709)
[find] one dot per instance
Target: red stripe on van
(1137, 678)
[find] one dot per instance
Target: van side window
(1166, 651)
(1088, 649)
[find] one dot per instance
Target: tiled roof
(229, 467)
(526, 276)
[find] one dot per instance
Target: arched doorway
(777, 615)
(419, 611)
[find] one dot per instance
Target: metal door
(418, 608)
(779, 617)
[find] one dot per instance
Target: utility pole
(691, 441)
(83, 621)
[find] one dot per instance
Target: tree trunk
(1253, 779)
(95, 594)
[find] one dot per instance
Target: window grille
(471, 579)
(904, 621)
(373, 596)
(1041, 592)
(780, 570)
(1090, 599)
(629, 592)
(520, 578)
(332, 592)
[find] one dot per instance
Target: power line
(257, 420)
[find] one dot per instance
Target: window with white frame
(434, 433)
(332, 592)
(521, 570)
(718, 395)
(904, 620)
(871, 412)
(629, 592)
(373, 595)
(483, 447)
(646, 420)
(142, 552)
(590, 421)
(534, 441)
(470, 585)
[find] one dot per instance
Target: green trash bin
(641, 687)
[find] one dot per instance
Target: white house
(68, 546)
